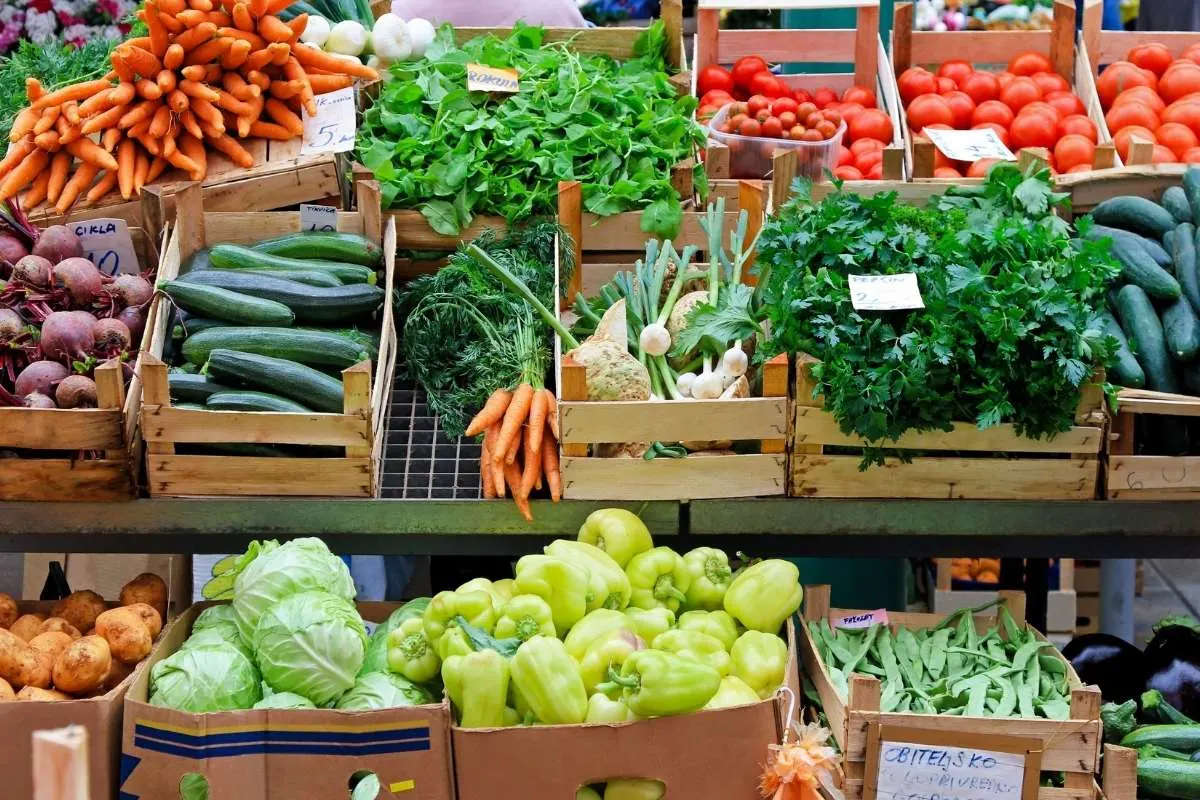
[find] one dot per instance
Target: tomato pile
(1154, 97)
(1027, 105)
(765, 106)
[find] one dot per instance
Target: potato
(27, 626)
(117, 672)
(127, 635)
(20, 664)
(6, 691)
(59, 624)
(8, 611)
(80, 608)
(146, 588)
(33, 694)
(49, 645)
(149, 616)
(81, 668)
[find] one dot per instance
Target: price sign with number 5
(332, 129)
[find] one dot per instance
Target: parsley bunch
(1008, 332)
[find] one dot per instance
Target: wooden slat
(615, 42)
(1090, 189)
(413, 231)
(1136, 473)
(624, 231)
(192, 476)
(570, 217)
(182, 425)
(1120, 773)
(978, 47)
(1115, 45)
(61, 428)
(65, 480)
(688, 478)
(788, 46)
(238, 227)
(745, 418)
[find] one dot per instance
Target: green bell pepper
(611, 650)
(592, 628)
(658, 684)
(760, 659)
(617, 532)
(549, 680)
(587, 793)
(483, 585)
(695, 646)
(520, 704)
(714, 623)
(659, 579)
(411, 654)
(609, 582)
(454, 642)
(733, 692)
(452, 679)
(479, 681)
(565, 587)
(503, 589)
(711, 576)
(765, 594)
(648, 623)
(626, 789)
(602, 708)
(524, 617)
(475, 606)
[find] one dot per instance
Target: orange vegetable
(297, 25)
(257, 78)
(256, 41)
(173, 58)
(140, 130)
(194, 72)
(536, 424)
(258, 59)
(242, 19)
(492, 412)
(89, 152)
(267, 130)
(313, 57)
(178, 101)
(122, 93)
(230, 147)
(104, 121)
(171, 6)
(24, 173)
(514, 418)
(295, 72)
(193, 148)
(33, 89)
(23, 124)
(280, 53)
(220, 18)
(123, 70)
(77, 91)
(47, 141)
(60, 165)
(126, 161)
(158, 34)
(236, 85)
(157, 167)
(237, 54)
(201, 5)
(324, 84)
(188, 120)
(194, 37)
(209, 113)
(181, 161)
(191, 17)
(160, 124)
(258, 8)
(110, 139)
(210, 51)
(199, 90)
(169, 146)
(513, 476)
(98, 102)
(103, 186)
(37, 192)
(485, 472)
(234, 106)
(141, 61)
(143, 110)
(531, 468)
(285, 90)
(275, 6)
(46, 123)
(169, 22)
(153, 146)
(148, 89)
(16, 154)
(69, 134)
(274, 30)
(552, 414)
(141, 168)
(550, 467)
(83, 177)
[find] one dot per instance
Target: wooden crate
(1070, 746)
(620, 240)
(359, 429)
(55, 471)
(1150, 477)
(1060, 602)
(860, 47)
(996, 48)
(1063, 468)
(1090, 189)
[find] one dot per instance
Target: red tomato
(1187, 113)
(1154, 57)
(750, 127)
(1051, 82)
(827, 129)
(824, 96)
(850, 110)
(946, 172)
(1126, 114)
(914, 82)
(746, 68)
(1043, 108)
(737, 119)
(946, 85)
(1073, 150)
(1033, 130)
(705, 113)
(772, 127)
(756, 104)
(962, 106)
(929, 109)
(802, 96)
(861, 95)
(1192, 156)
(831, 114)
(768, 85)
(788, 120)
(804, 109)
(956, 70)
(875, 173)
(796, 132)
(782, 104)
(866, 160)
(1119, 76)
(1078, 124)
(716, 97)
(812, 119)
(1020, 93)
(1145, 95)
(979, 169)
(1081, 168)
(1066, 103)
(1004, 78)
(1162, 155)
(847, 172)
(763, 115)
(993, 111)
(1000, 130)
(714, 78)
(865, 145)
(1123, 138)
(1030, 63)
(845, 156)
(1179, 81)
(812, 135)
(981, 87)
(870, 124)
(1178, 137)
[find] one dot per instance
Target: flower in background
(73, 22)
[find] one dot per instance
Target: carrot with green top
(492, 412)
(514, 418)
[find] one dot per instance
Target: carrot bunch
(210, 73)
(520, 444)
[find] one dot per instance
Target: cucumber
(193, 325)
(1133, 213)
(1184, 738)
(304, 347)
(226, 304)
(1168, 778)
(286, 378)
(311, 277)
(232, 256)
(196, 261)
(1124, 367)
(345, 247)
(1187, 265)
(1191, 187)
(1181, 329)
(253, 401)
(1139, 269)
(1152, 248)
(1175, 201)
(187, 388)
(1140, 323)
(1168, 241)
(310, 304)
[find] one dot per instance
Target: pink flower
(41, 5)
(65, 19)
(109, 7)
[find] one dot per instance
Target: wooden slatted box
(1061, 604)
(359, 429)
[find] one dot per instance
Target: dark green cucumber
(232, 256)
(345, 247)
(1124, 369)
(193, 325)
(313, 348)
(226, 304)
(1137, 214)
(1168, 241)
(187, 388)
(1187, 266)
(1140, 323)
(1168, 778)
(311, 304)
(1191, 187)
(1139, 269)
(1184, 738)
(1175, 201)
(286, 378)
(1181, 329)
(1153, 248)
(309, 276)
(253, 401)
(196, 261)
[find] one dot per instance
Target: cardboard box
(275, 754)
(709, 754)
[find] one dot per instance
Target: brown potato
(20, 664)
(127, 635)
(82, 666)
(61, 625)
(6, 691)
(149, 616)
(80, 608)
(146, 588)
(49, 645)
(117, 672)
(8, 611)
(27, 626)
(32, 693)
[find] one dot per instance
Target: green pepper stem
(617, 681)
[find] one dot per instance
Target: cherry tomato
(827, 129)
(788, 120)
(812, 135)
(756, 104)
(714, 77)
(850, 110)
(766, 84)
(832, 115)
(796, 132)
(824, 96)
(763, 115)
(993, 111)
(737, 119)
(1030, 63)
(812, 119)
(804, 109)
(781, 104)
(1066, 103)
(750, 127)
(746, 68)
(772, 127)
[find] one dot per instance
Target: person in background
(1169, 15)
(493, 13)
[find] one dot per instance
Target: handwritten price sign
(885, 292)
(318, 218)
(332, 129)
(108, 244)
(481, 78)
(908, 764)
(969, 145)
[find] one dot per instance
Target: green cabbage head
(312, 644)
(378, 690)
(205, 677)
(301, 565)
(284, 700)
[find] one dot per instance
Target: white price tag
(332, 129)
(943, 771)
(481, 78)
(318, 218)
(108, 245)
(969, 145)
(864, 620)
(885, 292)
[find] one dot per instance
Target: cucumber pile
(270, 327)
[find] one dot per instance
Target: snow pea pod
(937, 654)
(1028, 651)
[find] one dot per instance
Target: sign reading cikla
(906, 763)
(108, 244)
(482, 78)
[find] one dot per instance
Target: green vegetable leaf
(662, 218)
(731, 320)
(442, 217)
(482, 640)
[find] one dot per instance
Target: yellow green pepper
(503, 589)
(710, 578)
(609, 582)
(411, 654)
(454, 642)
(475, 606)
(520, 704)
(648, 623)
(610, 651)
(483, 585)
(659, 579)
(617, 532)
(602, 708)
(714, 623)
(587, 793)
(733, 692)
(511, 717)
(479, 681)
(626, 789)
(763, 595)
(760, 659)
(593, 627)
(657, 684)
(524, 617)
(549, 680)
(565, 587)
(695, 646)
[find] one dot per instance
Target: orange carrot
(169, 146)
(108, 119)
(324, 84)
(143, 62)
(275, 6)
(280, 53)
(78, 91)
(531, 469)
(171, 6)
(514, 447)
(157, 167)
(101, 101)
(489, 443)
(537, 422)
(173, 26)
(193, 72)
(37, 192)
(72, 132)
(313, 57)
(103, 186)
(231, 148)
(200, 90)
(492, 411)
(126, 158)
(256, 41)
(220, 18)
(257, 78)
(551, 468)
(193, 148)
(212, 73)
(143, 110)
(207, 112)
(552, 414)
(33, 89)
(191, 17)
(294, 72)
(83, 177)
(512, 474)
(242, 19)
(158, 34)
(188, 120)
(234, 106)
(194, 37)
(485, 472)
(153, 146)
(110, 139)
(48, 141)
(140, 41)
(284, 116)
(514, 418)
(59, 167)
(274, 29)
(297, 25)
(123, 70)
(16, 154)
(141, 168)
(46, 123)
(89, 152)
(24, 174)
(148, 89)
(62, 124)
(122, 93)
(267, 130)
(285, 90)
(23, 124)
(178, 101)
(201, 5)
(173, 58)
(159, 124)
(236, 55)
(258, 8)
(236, 85)
(209, 51)
(181, 161)
(258, 59)
(70, 112)
(141, 129)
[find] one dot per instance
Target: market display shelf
(420, 462)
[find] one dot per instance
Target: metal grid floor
(419, 461)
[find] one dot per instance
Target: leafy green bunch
(55, 64)
(1008, 332)
(618, 128)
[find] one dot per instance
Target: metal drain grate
(419, 461)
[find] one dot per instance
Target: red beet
(58, 243)
(134, 318)
(39, 400)
(111, 336)
(133, 290)
(40, 376)
(12, 250)
(81, 279)
(33, 270)
(76, 391)
(11, 324)
(68, 335)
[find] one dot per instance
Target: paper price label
(885, 292)
(108, 245)
(864, 620)
(908, 764)
(969, 145)
(481, 78)
(332, 129)
(318, 218)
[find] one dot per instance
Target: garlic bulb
(735, 361)
(655, 340)
(683, 384)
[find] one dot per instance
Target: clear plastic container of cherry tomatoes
(750, 156)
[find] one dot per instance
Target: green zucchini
(232, 256)
(1181, 329)
(1168, 778)
(1133, 213)
(286, 378)
(1175, 201)
(1140, 323)
(1187, 264)
(1139, 269)
(226, 304)
(311, 277)
(196, 261)
(1124, 368)
(313, 348)
(1168, 241)
(253, 401)
(1152, 248)
(345, 247)
(190, 326)
(1184, 738)
(1155, 707)
(310, 304)
(1191, 187)
(186, 388)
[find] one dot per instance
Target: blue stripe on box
(283, 736)
(280, 748)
